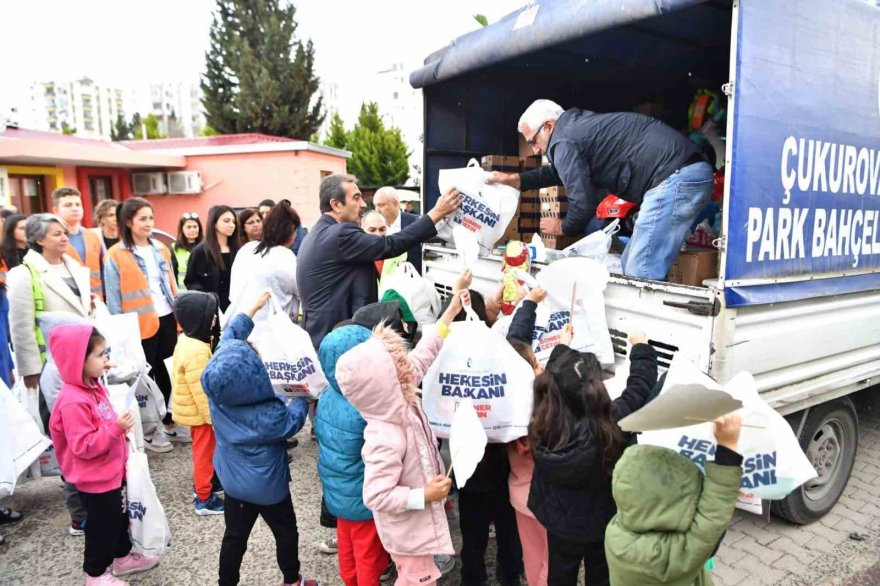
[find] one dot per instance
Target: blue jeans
(665, 217)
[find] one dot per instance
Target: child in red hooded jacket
(89, 441)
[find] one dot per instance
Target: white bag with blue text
(288, 355)
(485, 210)
(479, 364)
(148, 525)
(774, 464)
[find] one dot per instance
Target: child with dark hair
(576, 442)
(89, 441)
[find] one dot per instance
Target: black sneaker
(8, 516)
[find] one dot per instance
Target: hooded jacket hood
(337, 343)
(195, 311)
(388, 312)
(236, 376)
(376, 376)
(656, 489)
(68, 343)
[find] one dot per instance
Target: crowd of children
(573, 496)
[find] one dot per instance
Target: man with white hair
(387, 203)
(637, 158)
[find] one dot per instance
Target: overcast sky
(122, 43)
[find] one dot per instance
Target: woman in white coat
(268, 263)
(46, 280)
(63, 283)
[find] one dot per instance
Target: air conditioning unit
(184, 182)
(148, 183)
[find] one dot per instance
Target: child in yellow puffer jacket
(196, 312)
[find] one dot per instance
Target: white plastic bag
(148, 525)
(123, 335)
(29, 399)
(479, 364)
(288, 355)
(150, 400)
(418, 292)
(774, 464)
(485, 210)
(21, 442)
(594, 245)
(590, 328)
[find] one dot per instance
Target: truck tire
(830, 439)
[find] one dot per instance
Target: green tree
(258, 76)
(152, 125)
(378, 154)
(337, 136)
(67, 130)
(208, 130)
(121, 130)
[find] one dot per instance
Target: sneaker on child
(329, 546)
(158, 443)
(213, 505)
(77, 527)
(302, 582)
(134, 563)
(105, 579)
(178, 433)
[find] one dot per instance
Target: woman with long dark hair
(576, 442)
(268, 264)
(13, 247)
(189, 235)
(138, 279)
(250, 224)
(210, 264)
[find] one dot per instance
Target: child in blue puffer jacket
(251, 425)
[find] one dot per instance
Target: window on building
(100, 188)
(325, 174)
(28, 193)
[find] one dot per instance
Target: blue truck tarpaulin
(804, 206)
(554, 22)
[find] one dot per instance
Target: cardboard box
(693, 266)
(556, 207)
(550, 193)
(527, 163)
(529, 222)
(529, 207)
(504, 163)
(558, 242)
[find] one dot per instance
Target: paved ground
(755, 550)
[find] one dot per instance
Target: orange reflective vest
(3, 271)
(93, 260)
(134, 289)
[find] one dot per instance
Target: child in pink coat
(90, 445)
(404, 484)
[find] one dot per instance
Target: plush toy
(516, 256)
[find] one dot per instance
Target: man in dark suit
(387, 203)
(335, 268)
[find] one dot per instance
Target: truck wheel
(830, 439)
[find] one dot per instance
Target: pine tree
(121, 130)
(378, 154)
(152, 125)
(337, 136)
(258, 76)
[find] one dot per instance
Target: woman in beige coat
(63, 284)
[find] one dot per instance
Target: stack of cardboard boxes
(533, 205)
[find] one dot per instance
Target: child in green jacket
(670, 519)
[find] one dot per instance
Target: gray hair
(538, 113)
(37, 228)
(388, 192)
(332, 188)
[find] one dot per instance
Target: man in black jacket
(335, 271)
(387, 203)
(636, 157)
